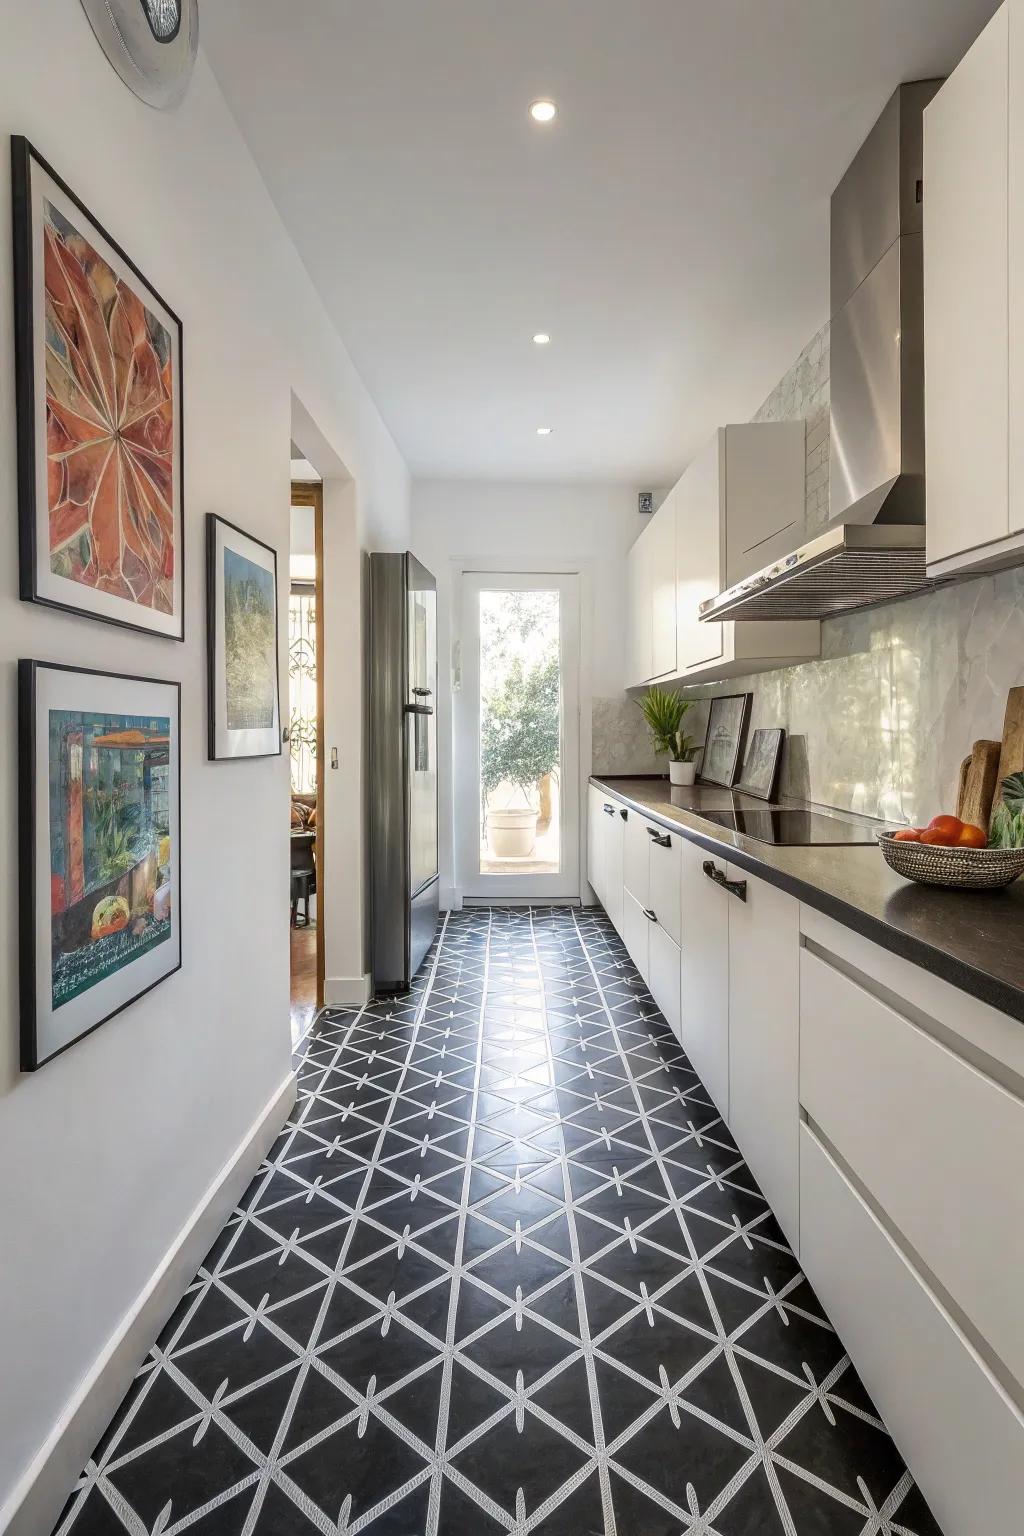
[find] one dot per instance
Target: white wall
(584, 527)
(105, 1152)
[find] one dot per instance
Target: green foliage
(665, 710)
(519, 726)
(1008, 821)
(113, 834)
(250, 653)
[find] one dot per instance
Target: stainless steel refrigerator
(401, 684)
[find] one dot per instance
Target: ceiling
(669, 229)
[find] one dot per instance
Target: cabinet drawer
(664, 959)
(664, 879)
(614, 828)
(937, 1143)
(636, 930)
(961, 1438)
(636, 859)
(704, 995)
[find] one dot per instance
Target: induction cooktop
(792, 828)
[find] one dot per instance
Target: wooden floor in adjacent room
(303, 994)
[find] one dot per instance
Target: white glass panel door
(517, 738)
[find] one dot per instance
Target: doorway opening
(517, 737)
(305, 738)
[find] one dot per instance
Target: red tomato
(972, 836)
(941, 839)
(949, 827)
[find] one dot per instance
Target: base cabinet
(953, 1424)
(704, 993)
(764, 1042)
(664, 963)
(636, 931)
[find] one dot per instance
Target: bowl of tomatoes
(952, 853)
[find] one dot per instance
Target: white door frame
(567, 885)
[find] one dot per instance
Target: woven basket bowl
(962, 869)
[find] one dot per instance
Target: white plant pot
(512, 833)
(682, 773)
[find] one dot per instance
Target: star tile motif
(503, 1271)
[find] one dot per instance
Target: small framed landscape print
(244, 715)
(99, 386)
(100, 863)
(760, 774)
(723, 745)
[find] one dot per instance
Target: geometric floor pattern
(504, 1271)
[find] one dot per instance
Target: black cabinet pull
(659, 839)
(624, 815)
(423, 693)
(652, 917)
(609, 810)
(419, 709)
(734, 887)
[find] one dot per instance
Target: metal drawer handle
(624, 815)
(659, 839)
(419, 709)
(423, 693)
(652, 917)
(609, 810)
(734, 887)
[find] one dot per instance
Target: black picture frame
(24, 157)
(218, 733)
(725, 738)
(760, 776)
(33, 1052)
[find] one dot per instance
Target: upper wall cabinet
(651, 588)
(738, 507)
(974, 305)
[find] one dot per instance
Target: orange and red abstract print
(110, 435)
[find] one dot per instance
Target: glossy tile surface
(504, 1271)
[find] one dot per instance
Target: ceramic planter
(682, 773)
(512, 833)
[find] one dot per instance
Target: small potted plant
(665, 710)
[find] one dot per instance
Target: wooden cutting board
(1011, 755)
(979, 776)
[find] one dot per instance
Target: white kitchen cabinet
(664, 892)
(738, 506)
(970, 270)
(606, 817)
(636, 858)
(595, 842)
(650, 587)
(764, 1041)
(636, 934)
(664, 962)
(661, 557)
(951, 1418)
(704, 993)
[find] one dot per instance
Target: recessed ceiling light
(542, 338)
(543, 431)
(543, 111)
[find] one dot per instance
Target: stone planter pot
(512, 834)
(682, 773)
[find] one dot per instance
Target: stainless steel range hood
(873, 547)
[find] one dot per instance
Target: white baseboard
(346, 991)
(40, 1494)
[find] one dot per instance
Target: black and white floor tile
(504, 1271)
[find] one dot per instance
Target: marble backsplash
(881, 723)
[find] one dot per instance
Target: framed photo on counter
(725, 739)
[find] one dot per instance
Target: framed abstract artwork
(99, 851)
(723, 745)
(243, 704)
(98, 365)
(760, 775)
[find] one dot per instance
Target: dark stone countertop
(972, 939)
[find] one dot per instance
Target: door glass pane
(520, 733)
